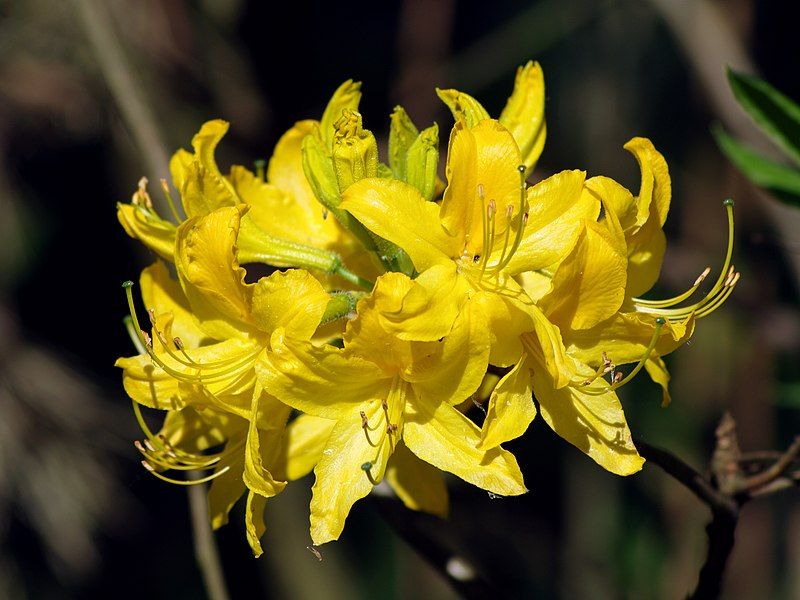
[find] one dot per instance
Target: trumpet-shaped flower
(209, 332)
(384, 392)
(487, 229)
(302, 236)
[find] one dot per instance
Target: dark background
(80, 518)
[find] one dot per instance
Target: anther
(148, 466)
(147, 339)
(618, 377)
(491, 209)
(364, 421)
(702, 276)
(178, 343)
(152, 314)
(391, 428)
(481, 193)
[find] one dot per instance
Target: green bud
(402, 134)
(319, 171)
(463, 106)
(355, 151)
(422, 161)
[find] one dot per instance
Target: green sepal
(355, 150)
(402, 134)
(422, 161)
(319, 171)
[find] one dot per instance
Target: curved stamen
(488, 234)
(618, 381)
(152, 471)
(523, 220)
(725, 281)
(680, 298)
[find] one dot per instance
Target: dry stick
(142, 126)
(724, 511)
(136, 114)
(205, 549)
(725, 505)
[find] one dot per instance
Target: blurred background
(94, 94)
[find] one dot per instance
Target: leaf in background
(780, 180)
(777, 115)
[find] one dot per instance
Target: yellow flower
(207, 335)
(588, 299)
(600, 325)
(487, 229)
(382, 392)
(522, 116)
(300, 236)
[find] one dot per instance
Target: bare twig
(725, 492)
(205, 549)
(126, 92)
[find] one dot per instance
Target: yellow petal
(442, 436)
(463, 106)
(254, 522)
(397, 212)
(557, 207)
(225, 491)
(156, 234)
(429, 308)
(163, 294)
(482, 166)
(267, 423)
(321, 381)
(591, 419)
(419, 485)
(205, 256)
(305, 440)
(340, 478)
(454, 369)
(625, 339)
(646, 250)
(508, 315)
(535, 284)
(523, 114)
(148, 385)
(511, 408)
(655, 192)
(589, 284)
(293, 299)
(617, 199)
(203, 188)
(658, 373)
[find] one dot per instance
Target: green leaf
(777, 115)
(780, 180)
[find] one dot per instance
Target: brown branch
(725, 492)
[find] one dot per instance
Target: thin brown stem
(205, 548)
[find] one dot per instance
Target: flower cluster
(379, 305)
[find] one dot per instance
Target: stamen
(680, 298)
(367, 467)
(488, 236)
(206, 479)
(715, 296)
(523, 220)
(170, 202)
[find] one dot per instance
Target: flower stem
(205, 549)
